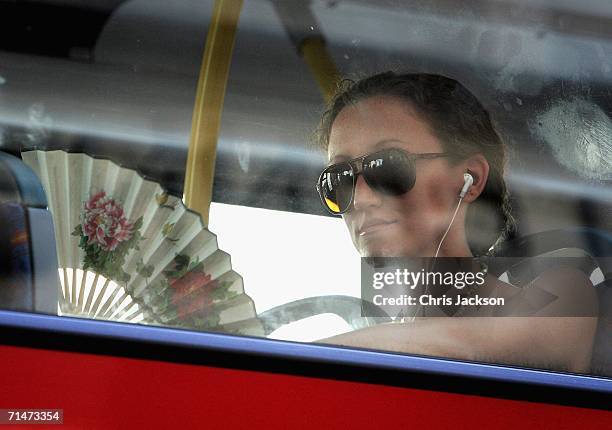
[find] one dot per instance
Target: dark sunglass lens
(336, 187)
(389, 172)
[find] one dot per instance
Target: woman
(400, 149)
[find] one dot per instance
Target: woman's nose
(364, 195)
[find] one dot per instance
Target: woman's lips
(374, 226)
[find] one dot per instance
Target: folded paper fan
(128, 251)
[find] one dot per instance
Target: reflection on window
(121, 87)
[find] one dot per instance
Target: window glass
(360, 144)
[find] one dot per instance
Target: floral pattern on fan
(107, 237)
(188, 294)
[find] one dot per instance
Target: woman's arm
(545, 340)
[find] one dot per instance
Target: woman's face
(410, 225)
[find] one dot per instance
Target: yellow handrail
(303, 30)
(210, 94)
(316, 56)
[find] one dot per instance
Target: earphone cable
(437, 252)
(449, 227)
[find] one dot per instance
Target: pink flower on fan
(94, 201)
(104, 222)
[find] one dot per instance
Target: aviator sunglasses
(390, 171)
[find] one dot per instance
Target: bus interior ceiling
(122, 86)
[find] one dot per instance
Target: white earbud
(468, 180)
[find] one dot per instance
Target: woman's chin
(391, 248)
(384, 250)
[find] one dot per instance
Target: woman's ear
(477, 166)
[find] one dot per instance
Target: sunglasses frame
(356, 166)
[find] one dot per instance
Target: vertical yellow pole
(321, 65)
(303, 30)
(210, 94)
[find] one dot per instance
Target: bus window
(429, 179)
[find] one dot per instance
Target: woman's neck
(454, 249)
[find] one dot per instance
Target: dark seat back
(598, 245)
(601, 362)
(28, 260)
